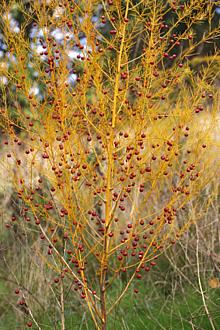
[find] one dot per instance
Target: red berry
(113, 32)
(17, 291)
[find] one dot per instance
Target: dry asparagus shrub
(105, 163)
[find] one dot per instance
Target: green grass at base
(150, 309)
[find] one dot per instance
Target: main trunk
(103, 301)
